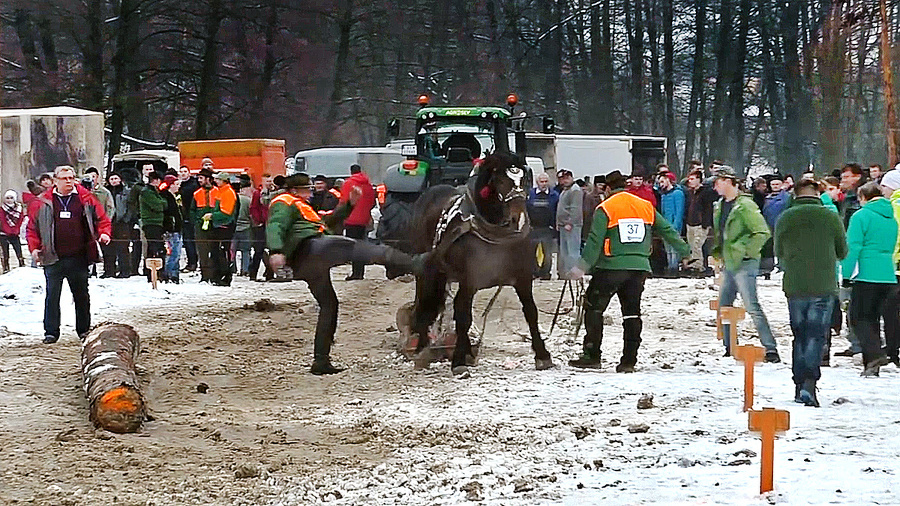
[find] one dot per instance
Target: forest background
(756, 83)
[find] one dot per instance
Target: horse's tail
(426, 214)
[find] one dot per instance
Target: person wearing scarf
(11, 216)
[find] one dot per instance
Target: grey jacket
(569, 211)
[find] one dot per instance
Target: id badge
(65, 214)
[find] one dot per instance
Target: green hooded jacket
(872, 240)
(153, 206)
(895, 203)
(287, 226)
(828, 202)
(809, 240)
(744, 234)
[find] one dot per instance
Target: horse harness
(461, 216)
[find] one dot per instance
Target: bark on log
(111, 384)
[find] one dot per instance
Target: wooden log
(111, 385)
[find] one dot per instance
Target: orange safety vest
(204, 198)
(335, 192)
(227, 199)
(381, 190)
(306, 210)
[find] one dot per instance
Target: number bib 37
(632, 230)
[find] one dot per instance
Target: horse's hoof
(422, 360)
(471, 360)
(543, 364)
(460, 371)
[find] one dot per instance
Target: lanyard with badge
(65, 214)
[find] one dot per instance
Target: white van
(335, 163)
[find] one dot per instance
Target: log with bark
(111, 385)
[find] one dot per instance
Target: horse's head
(501, 192)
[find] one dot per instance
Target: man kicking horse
(296, 234)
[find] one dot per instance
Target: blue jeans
(173, 261)
(75, 271)
(810, 321)
(242, 242)
(743, 281)
(569, 249)
(672, 258)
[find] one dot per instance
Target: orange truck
(254, 157)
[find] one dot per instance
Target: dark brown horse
(479, 239)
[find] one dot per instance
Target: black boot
(322, 351)
(323, 365)
(808, 393)
(593, 336)
(632, 330)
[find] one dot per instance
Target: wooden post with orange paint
(714, 305)
(768, 421)
(733, 315)
(749, 355)
(154, 264)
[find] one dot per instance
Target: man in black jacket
(698, 219)
(188, 186)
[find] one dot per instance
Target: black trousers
(10, 240)
(356, 232)
(221, 254)
(891, 315)
(136, 250)
(188, 242)
(258, 241)
(867, 301)
(121, 236)
(156, 245)
(75, 271)
(312, 262)
(205, 242)
(628, 286)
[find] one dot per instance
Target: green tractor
(449, 141)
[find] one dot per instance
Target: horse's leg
(542, 358)
(462, 314)
(430, 293)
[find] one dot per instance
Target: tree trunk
(206, 91)
(696, 80)
(123, 63)
(345, 25)
(93, 55)
(656, 98)
(794, 153)
(635, 29)
(718, 136)
(112, 387)
(669, 81)
(735, 115)
(607, 120)
(832, 62)
(887, 77)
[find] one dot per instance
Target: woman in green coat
(871, 238)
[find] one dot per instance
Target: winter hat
(891, 179)
(11, 192)
(223, 176)
(670, 175)
(205, 172)
(726, 172)
(615, 180)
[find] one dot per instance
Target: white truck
(335, 162)
(591, 155)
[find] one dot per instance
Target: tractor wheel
(396, 214)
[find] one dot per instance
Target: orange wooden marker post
(733, 315)
(749, 355)
(714, 305)
(768, 421)
(154, 264)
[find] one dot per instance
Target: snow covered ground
(514, 436)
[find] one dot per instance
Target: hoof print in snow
(645, 402)
(666, 325)
(615, 422)
(598, 464)
(202, 388)
(522, 485)
(638, 428)
(246, 471)
(666, 366)
(582, 432)
(473, 491)
(841, 400)
(683, 311)
(739, 462)
(725, 440)
(700, 432)
(262, 305)
(686, 462)
(744, 453)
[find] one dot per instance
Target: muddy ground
(259, 420)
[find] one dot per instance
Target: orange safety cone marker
(768, 421)
(154, 264)
(749, 355)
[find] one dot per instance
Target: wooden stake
(768, 421)
(749, 355)
(714, 305)
(111, 385)
(154, 264)
(733, 315)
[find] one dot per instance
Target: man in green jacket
(153, 208)
(297, 235)
(809, 240)
(740, 232)
(617, 254)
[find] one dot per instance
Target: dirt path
(260, 419)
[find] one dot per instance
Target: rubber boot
(632, 330)
(593, 336)
(5, 265)
(322, 357)
(21, 262)
(808, 393)
(398, 263)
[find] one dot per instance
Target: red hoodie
(645, 192)
(362, 211)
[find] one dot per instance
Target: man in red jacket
(355, 225)
(637, 186)
(62, 236)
